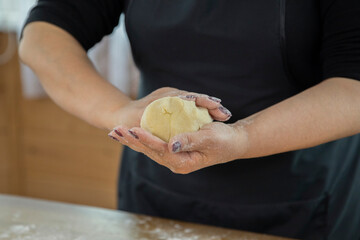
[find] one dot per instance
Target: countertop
(25, 218)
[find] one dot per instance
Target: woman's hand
(185, 153)
(213, 144)
(130, 114)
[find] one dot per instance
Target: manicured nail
(134, 134)
(190, 96)
(176, 147)
(215, 99)
(118, 133)
(114, 138)
(225, 111)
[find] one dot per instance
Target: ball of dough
(169, 116)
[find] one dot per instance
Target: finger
(216, 110)
(134, 142)
(202, 100)
(149, 140)
(117, 137)
(189, 96)
(220, 114)
(193, 141)
(207, 102)
(129, 139)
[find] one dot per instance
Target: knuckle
(186, 141)
(184, 93)
(203, 96)
(164, 90)
(210, 140)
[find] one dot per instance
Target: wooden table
(25, 219)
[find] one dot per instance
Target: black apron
(236, 50)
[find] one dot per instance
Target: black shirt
(252, 54)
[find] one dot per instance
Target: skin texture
(325, 112)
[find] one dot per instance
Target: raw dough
(169, 116)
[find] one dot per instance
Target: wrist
(242, 140)
(114, 116)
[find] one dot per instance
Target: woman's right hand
(130, 114)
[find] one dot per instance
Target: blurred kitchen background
(45, 152)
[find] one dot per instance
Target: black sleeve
(341, 38)
(88, 21)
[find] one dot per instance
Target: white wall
(13, 13)
(111, 57)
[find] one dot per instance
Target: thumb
(187, 142)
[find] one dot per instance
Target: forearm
(68, 76)
(325, 112)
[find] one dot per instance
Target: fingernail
(114, 138)
(215, 99)
(225, 111)
(134, 134)
(190, 96)
(176, 147)
(118, 133)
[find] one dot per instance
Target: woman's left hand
(214, 143)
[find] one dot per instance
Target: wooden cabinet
(47, 153)
(9, 112)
